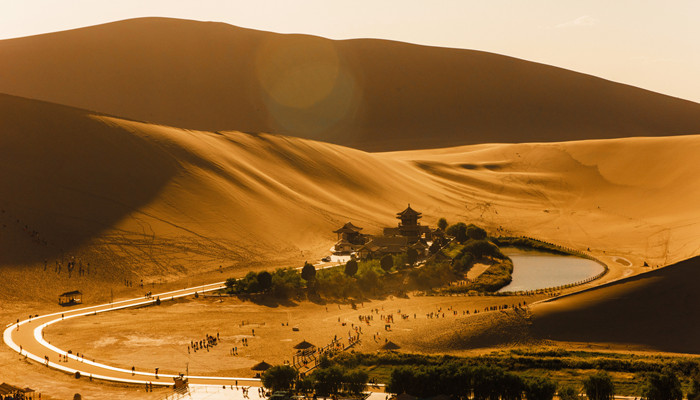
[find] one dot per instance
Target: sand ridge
(371, 94)
(157, 202)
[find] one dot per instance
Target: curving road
(26, 337)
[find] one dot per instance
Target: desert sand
(143, 201)
(369, 94)
(174, 207)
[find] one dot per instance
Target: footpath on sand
(26, 337)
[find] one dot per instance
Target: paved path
(26, 337)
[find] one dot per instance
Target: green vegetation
(279, 377)
(496, 276)
(284, 282)
(450, 261)
(351, 268)
(568, 369)
(599, 386)
(387, 262)
(662, 386)
(540, 388)
(568, 392)
(528, 244)
(324, 381)
(308, 272)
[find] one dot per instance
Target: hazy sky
(650, 44)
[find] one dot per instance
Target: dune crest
(373, 95)
(154, 200)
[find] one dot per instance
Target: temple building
(409, 226)
(407, 234)
(350, 233)
(349, 240)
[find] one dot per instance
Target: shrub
(458, 231)
(540, 388)
(351, 268)
(230, 283)
(599, 386)
(463, 262)
(368, 280)
(328, 380)
(264, 280)
(568, 393)
(279, 377)
(512, 387)
(286, 283)
(662, 386)
(387, 262)
(308, 272)
(482, 248)
(355, 381)
(694, 392)
(475, 233)
(411, 256)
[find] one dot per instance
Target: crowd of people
(203, 344)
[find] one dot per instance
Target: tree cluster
(462, 381)
(283, 282)
(324, 381)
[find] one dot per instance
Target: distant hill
(369, 94)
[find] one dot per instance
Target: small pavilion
(70, 298)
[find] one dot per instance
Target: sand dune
(146, 201)
(630, 312)
(367, 94)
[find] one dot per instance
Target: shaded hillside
(657, 310)
(157, 202)
(369, 94)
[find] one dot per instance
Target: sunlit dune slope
(151, 201)
(368, 94)
(630, 312)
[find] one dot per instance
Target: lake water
(537, 270)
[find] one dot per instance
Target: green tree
(540, 388)
(328, 380)
(230, 283)
(286, 283)
(279, 377)
(368, 280)
(387, 262)
(458, 231)
(442, 224)
(411, 256)
(512, 387)
(599, 386)
(308, 272)
(662, 386)
(694, 392)
(401, 380)
(568, 393)
(351, 267)
(486, 383)
(475, 233)
(264, 280)
(356, 381)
